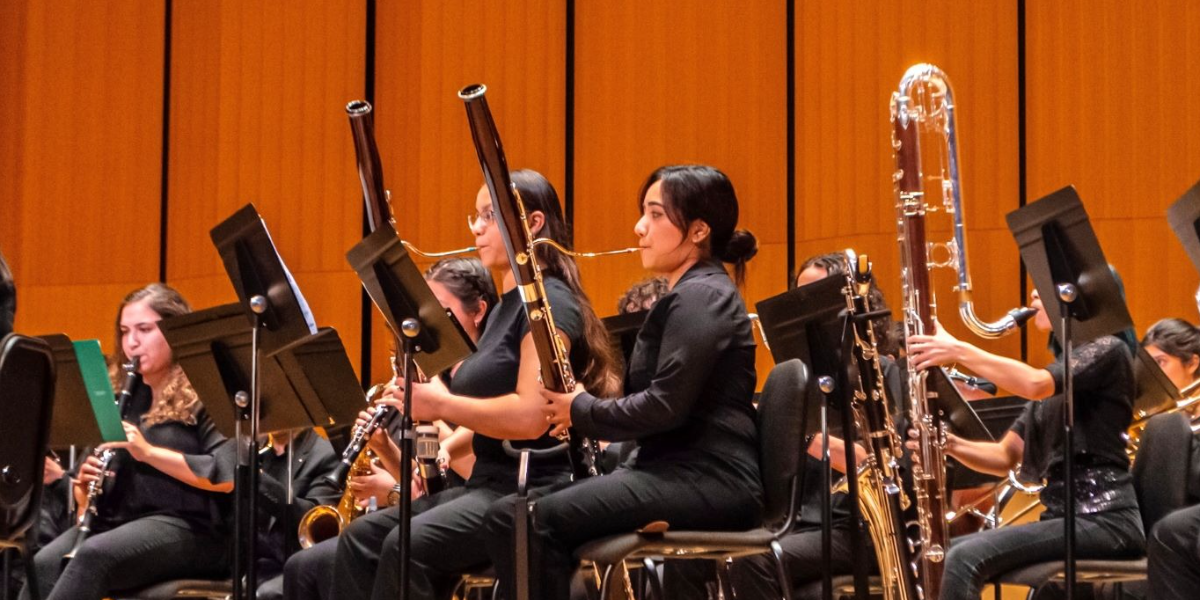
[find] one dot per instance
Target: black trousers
(754, 576)
(136, 554)
(1174, 555)
(365, 564)
(566, 517)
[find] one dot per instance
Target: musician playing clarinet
(161, 517)
(1108, 523)
(690, 382)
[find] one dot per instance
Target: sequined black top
(1104, 392)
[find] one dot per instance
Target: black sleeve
(564, 309)
(1092, 363)
(696, 334)
(309, 487)
(1021, 425)
(219, 459)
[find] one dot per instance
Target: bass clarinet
(925, 102)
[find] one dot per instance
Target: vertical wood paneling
(685, 82)
(1112, 89)
(80, 146)
(258, 90)
(426, 52)
(850, 58)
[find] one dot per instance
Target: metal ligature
(97, 487)
(924, 102)
(378, 209)
(881, 496)
(519, 243)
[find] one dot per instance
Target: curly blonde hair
(177, 401)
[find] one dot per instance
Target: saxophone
(881, 496)
(925, 102)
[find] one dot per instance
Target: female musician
(1108, 523)
(690, 382)
(1175, 345)
(465, 287)
(494, 394)
(1173, 547)
(161, 519)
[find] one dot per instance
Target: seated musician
(691, 381)
(754, 577)
(161, 519)
(1173, 546)
(493, 396)
(1108, 523)
(312, 459)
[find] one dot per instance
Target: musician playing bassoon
(689, 382)
(161, 517)
(494, 394)
(1108, 523)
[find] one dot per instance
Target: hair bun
(742, 246)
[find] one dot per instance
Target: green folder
(100, 391)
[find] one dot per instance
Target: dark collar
(704, 268)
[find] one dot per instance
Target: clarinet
(426, 453)
(96, 487)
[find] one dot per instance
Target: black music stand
(1184, 217)
(278, 318)
(432, 338)
(8, 298)
(1155, 391)
(623, 331)
(1082, 298)
(74, 423)
(809, 323)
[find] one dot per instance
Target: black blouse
(1104, 392)
(690, 381)
(139, 490)
(493, 370)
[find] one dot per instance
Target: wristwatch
(393, 497)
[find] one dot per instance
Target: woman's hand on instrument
(376, 485)
(89, 471)
(135, 444)
(558, 409)
(941, 348)
(53, 471)
(426, 398)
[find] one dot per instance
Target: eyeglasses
(480, 219)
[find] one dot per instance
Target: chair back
(26, 398)
(1160, 472)
(780, 422)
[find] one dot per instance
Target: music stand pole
(245, 576)
(1067, 293)
(826, 385)
(411, 328)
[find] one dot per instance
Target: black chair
(1160, 479)
(26, 400)
(780, 416)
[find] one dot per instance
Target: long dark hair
(469, 281)
(538, 194)
(1175, 337)
(177, 401)
(692, 192)
(834, 264)
(8, 299)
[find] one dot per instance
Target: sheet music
(308, 316)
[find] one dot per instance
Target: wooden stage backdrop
(129, 128)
